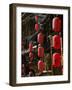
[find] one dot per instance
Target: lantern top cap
(56, 54)
(56, 17)
(56, 36)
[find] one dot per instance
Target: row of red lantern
(56, 39)
(40, 40)
(31, 56)
(56, 62)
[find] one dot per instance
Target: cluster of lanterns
(56, 44)
(56, 39)
(40, 40)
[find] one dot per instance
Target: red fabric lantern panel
(56, 60)
(36, 26)
(31, 56)
(56, 24)
(41, 66)
(40, 52)
(40, 38)
(36, 18)
(56, 42)
(30, 46)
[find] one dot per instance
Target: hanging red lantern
(31, 56)
(36, 26)
(56, 24)
(36, 18)
(30, 46)
(40, 38)
(41, 66)
(56, 60)
(56, 42)
(40, 51)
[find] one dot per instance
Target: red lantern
(56, 42)
(41, 66)
(36, 26)
(40, 38)
(56, 24)
(40, 51)
(30, 46)
(56, 60)
(31, 56)
(36, 18)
